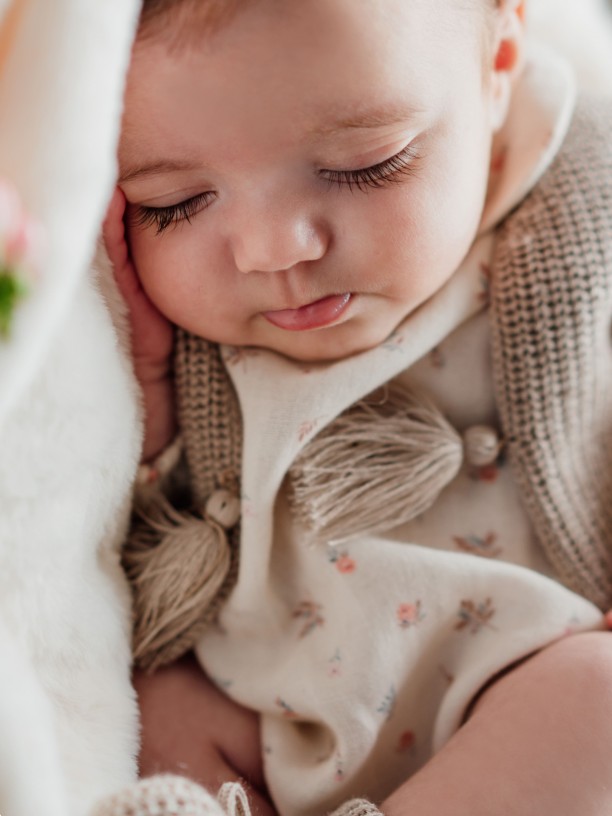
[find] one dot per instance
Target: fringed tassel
(379, 465)
(178, 565)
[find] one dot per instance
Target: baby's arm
(190, 728)
(537, 743)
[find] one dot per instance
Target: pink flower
(21, 239)
(406, 742)
(409, 614)
(345, 564)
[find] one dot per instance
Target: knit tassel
(378, 465)
(175, 581)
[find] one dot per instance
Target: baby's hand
(152, 337)
(189, 727)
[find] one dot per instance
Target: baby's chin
(327, 345)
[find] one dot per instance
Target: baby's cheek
(158, 273)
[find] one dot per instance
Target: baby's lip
(313, 315)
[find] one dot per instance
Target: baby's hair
(179, 18)
(185, 17)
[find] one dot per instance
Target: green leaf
(12, 290)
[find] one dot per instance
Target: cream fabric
(363, 656)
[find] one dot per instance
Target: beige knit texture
(181, 566)
(209, 414)
(551, 317)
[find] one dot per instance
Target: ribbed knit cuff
(168, 795)
(357, 807)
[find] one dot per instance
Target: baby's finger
(113, 230)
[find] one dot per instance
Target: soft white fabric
(581, 30)
(362, 656)
(69, 433)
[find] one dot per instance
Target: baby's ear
(508, 39)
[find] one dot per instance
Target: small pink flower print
(474, 616)
(487, 473)
(344, 563)
(288, 712)
(310, 613)
(307, 429)
(486, 547)
(406, 742)
(410, 614)
(335, 665)
(248, 509)
(394, 342)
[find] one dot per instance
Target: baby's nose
(276, 241)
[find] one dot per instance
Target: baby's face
(308, 175)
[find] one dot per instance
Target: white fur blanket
(69, 417)
(69, 434)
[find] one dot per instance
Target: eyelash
(389, 171)
(164, 217)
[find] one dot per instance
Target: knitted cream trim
(169, 795)
(357, 807)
